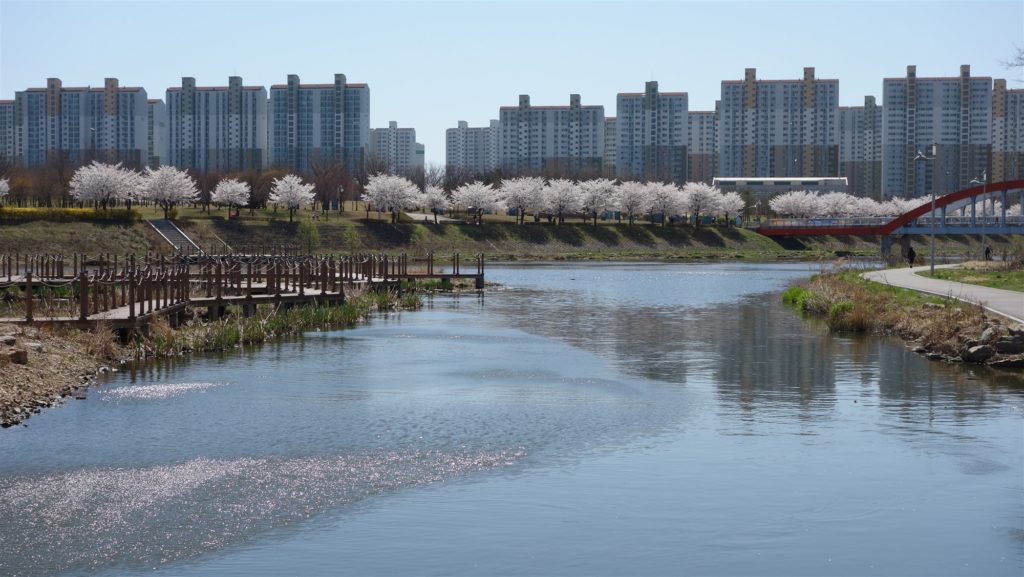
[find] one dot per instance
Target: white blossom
(701, 198)
(290, 191)
(665, 199)
(596, 196)
(561, 197)
(731, 204)
(524, 194)
(5, 187)
(102, 183)
(391, 193)
(796, 203)
(231, 192)
(435, 200)
(632, 199)
(478, 197)
(168, 186)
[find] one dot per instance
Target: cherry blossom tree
(701, 198)
(731, 204)
(5, 187)
(290, 191)
(562, 196)
(796, 203)
(168, 186)
(99, 184)
(596, 196)
(632, 199)
(523, 194)
(435, 200)
(231, 193)
(390, 193)
(476, 197)
(665, 199)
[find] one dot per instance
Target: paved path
(1008, 303)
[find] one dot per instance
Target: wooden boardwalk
(128, 293)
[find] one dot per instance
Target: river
(580, 419)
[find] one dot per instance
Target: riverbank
(939, 328)
(497, 240)
(41, 366)
(1007, 275)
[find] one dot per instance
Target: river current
(579, 419)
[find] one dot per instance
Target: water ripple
(144, 517)
(157, 392)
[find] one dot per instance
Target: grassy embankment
(1000, 275)
(939, 327)
(499, 238)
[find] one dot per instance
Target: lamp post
(983, 181)
(931, 242)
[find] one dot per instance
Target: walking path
(1008, 303)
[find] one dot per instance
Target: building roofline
(6, 102)
(936, 78)
(212, 88)
(781, 81)
(702, 112)
(282, 86)
(531, 107)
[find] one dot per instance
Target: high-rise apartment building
(555, 140)
(652, 131)
(954, 113)
(472, 150)
(860, 147)
(80, 124)
(217, 128)
(6, 132)
(702, 151)
(311, 123)
(394, 150)
(157, 138)
(611, 145)
(1007, 133)
(779, 128)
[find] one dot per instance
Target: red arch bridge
(920, 220)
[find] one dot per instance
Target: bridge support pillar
(886, 250)
(479, 281)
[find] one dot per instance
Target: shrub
(796, 296)
(14, 215)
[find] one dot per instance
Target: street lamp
(983, 181)
(931, 242)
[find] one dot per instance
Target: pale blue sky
(430, 64)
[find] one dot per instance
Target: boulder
(35, 347)
(978, 354)
(1016, 331)
(989, 335)
(16, 355)
(8, 340)
(1010, 345)
(1017, 363)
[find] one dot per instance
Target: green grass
(994, 277)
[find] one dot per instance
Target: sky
(430, 64)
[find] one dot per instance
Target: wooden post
(131, 295)
(28, 297)
(83, 296)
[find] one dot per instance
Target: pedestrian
(988, 253)
(911, 256)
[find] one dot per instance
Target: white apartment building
(652, 130)
(552, 140)
(702, 151)
(1007, 133)
(217, 128)
(611, 145)
(7, 131)
(953, 112)
(80, 124)
(472, 150)
(311, 123)
(394, 150)
(779, 128)
(157, 137)
(860, 147)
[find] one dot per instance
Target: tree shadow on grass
(568, 234)
(603, 234)
(638, 233)
(532, 233)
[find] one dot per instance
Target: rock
(1017, 363)
(35, 347)
(8, 340)
(978, 354)
(104, 369)
(1016, 331)
(920, 350)
(1009, 345)
(990, 334)
(16, 355)
(934, 356)
(968, 343)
